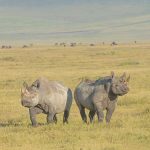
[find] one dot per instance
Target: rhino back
(53, 94)
(89, 91)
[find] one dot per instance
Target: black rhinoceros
(100, 95)
(48, 97)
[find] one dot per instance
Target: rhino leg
(66, 115)
(100, 116)
(99, 110)
(50, 117)
(110, 109)
(33, 111)
(83, 114)
(91, 116)
(51, 114)
(109, 114)
(55, 118)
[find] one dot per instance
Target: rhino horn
(24, 89)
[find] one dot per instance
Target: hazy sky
(74, 20)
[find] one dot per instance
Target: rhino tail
(68, 106)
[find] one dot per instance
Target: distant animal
(100, 95)
(113, 43)
(6, 47)
(56, 44)
(24, 46)
(48, 97)
(3, 46)
(73, 44)
(63, 44)
(92, 45)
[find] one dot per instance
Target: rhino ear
(128, 78)
(25, 85)
(112, 74)
(36, 84)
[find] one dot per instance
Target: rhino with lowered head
(48, 97)
(100, 95)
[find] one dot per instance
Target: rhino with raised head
(48, 97)
(100, 95)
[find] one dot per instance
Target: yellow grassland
(130, 125)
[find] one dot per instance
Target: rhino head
(119, 85)
(29, 96)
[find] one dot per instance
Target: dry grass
(130, 125)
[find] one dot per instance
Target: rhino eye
(121, 80)
(116, 85)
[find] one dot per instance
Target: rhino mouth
(123, 93)
(26, 104)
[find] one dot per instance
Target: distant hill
(80, 20)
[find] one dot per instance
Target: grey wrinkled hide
(100, 95)
(48, 97)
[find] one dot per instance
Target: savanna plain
(129, 128)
